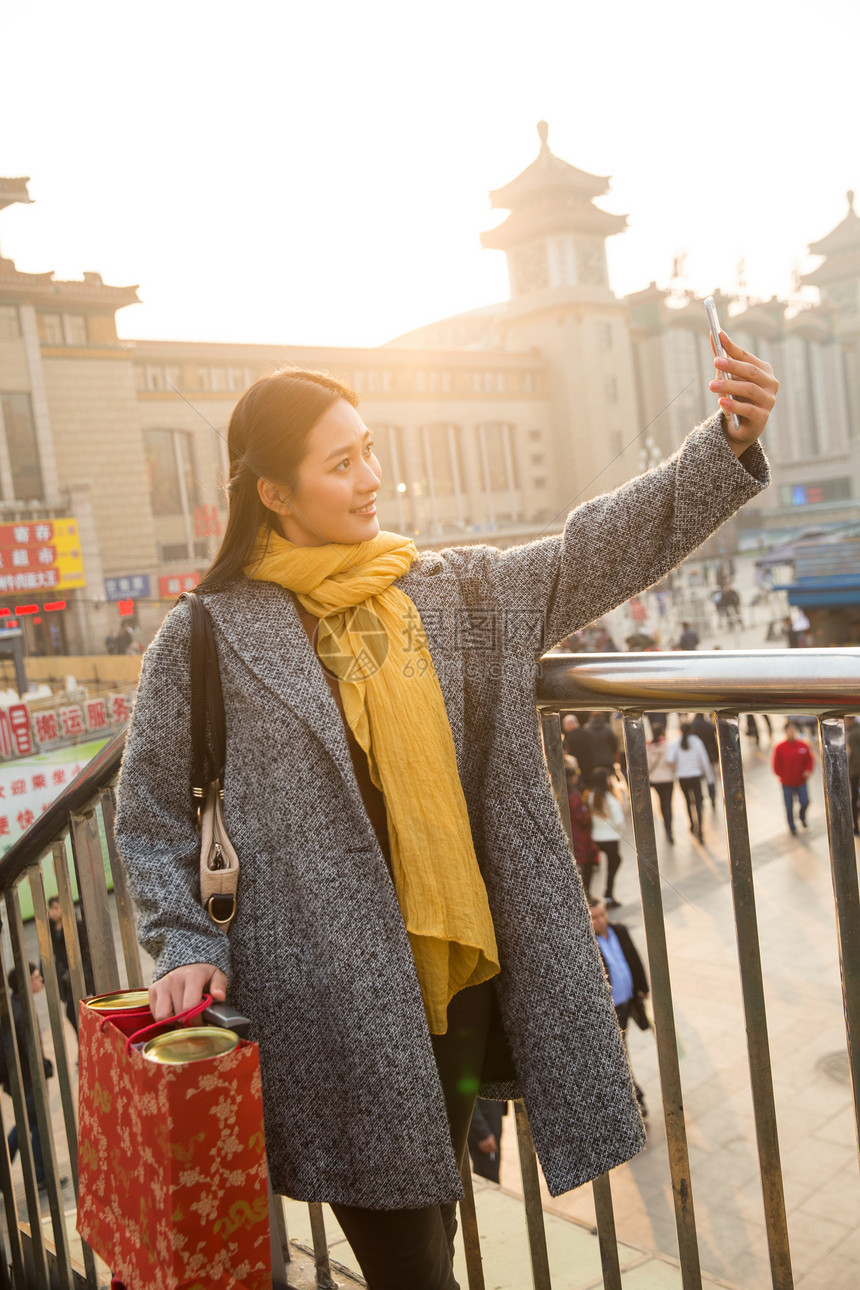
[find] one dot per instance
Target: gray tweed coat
(318, 955)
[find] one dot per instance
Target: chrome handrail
(808, 681)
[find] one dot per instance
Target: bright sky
(318, 172)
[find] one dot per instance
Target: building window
(155, 378)
(170, 465)
(75, 329)
(539, 481)
(50, 329)
(611, 387)
(604, 336)
(537, 458)
(173, 377)
(535, 435)
(203, 381)
(10, 322)
(22, 448)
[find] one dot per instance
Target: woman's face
(338, 480)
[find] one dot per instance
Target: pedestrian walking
(689, 638)
(852, 736)
(402, 856)
(703, 727)
(793, 763)
(485, 1138)
(17, 1010)
(628, 979)
(661, 773)
(691, 764)
(61, 959)
(586, 852)
(577, 741)
(607, 826)
(604, 742)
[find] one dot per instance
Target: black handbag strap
(207, 701)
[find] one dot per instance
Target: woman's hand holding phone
(750, 393)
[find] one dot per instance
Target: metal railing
(71, 846)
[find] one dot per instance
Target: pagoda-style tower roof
(89, 295)
(550, 196)
(44, 289)
(841, 247)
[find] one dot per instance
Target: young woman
(410, 929)
(661, 773)
(586, 852)
(689, 759)
(607, 826)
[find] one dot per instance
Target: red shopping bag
(172, 1165)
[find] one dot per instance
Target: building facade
(489, 425)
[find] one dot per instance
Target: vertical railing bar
(554, 755)
(469, 1219)
(661, 995)
(122, 900)
(553, 751)
(532, 1200)
(13, 1067)
(752, 990)
(89, 864)
(277, 1241)
(77, 975)
(843, 867)
(56, 1015)
(39, 1089)
(610, 1263)
(322, 1265)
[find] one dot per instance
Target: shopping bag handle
(180, 1019)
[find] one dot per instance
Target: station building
(490, 425)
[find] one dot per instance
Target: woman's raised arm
(622, 542)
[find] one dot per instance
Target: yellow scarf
(371, 637)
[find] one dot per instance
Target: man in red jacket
(793, 764)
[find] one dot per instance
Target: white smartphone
(711, 311)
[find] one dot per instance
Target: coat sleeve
(613, 546)
(155, 821)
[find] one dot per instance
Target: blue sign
(133, 587)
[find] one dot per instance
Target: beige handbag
(219, 864)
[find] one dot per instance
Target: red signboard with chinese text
(173, 584)
(44, 555)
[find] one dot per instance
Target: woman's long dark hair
(266, 438)
(686, 731)
(601, 786)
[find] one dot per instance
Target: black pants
(691, 787)
(587, 872)
(664, 793)
(855, 789)
(613, 860)
(413, 1249)
(622, 1012)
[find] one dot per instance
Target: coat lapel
(258, 621)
